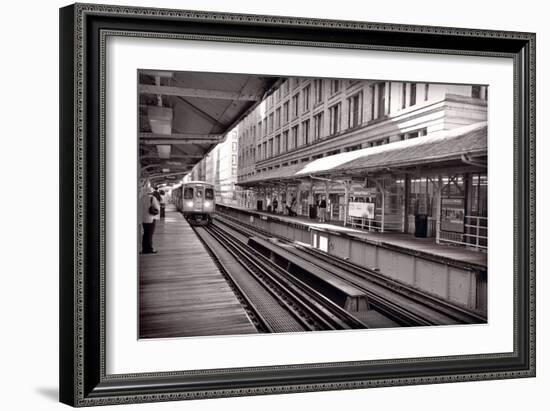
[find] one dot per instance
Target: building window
(265, 127)
(305, 132)
(277, 95)
(355, 110)
(278, 117)
(295, 105)
(286, 87)
(277, 147)
(285, 112)
(259, 152)
(354, 148)
(426, 90)
(318, 85)
(270, 148)
(413, 94)
(318, 126)
(404, 96)
(334, 86)
(381, 99)
(264, 150)
(476, 91)
(259, 130)
(294, 137)
(305, 97)
(285, 141)
(413, 134)
(271, 123)
(335, 118)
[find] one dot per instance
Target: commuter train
(196, 200)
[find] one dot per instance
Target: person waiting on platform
(275, 205)
(292, 208)
(150, 210)
(323, 210)
(162, 203)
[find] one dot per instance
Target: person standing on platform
(275, 205)
(323, 210)
(292, 209)
(162, 203)
(150, 210)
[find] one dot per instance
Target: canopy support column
(328, 209)
(298, 200)
(347, 191)
(407, 180)
(383, 192)
(438, 187)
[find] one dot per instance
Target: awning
(437, 147)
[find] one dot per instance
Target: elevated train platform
(408, 243)
(181, 290)
(453, 273)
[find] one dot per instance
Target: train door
(199, 197)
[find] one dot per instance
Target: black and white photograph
(277, 204)
(255, 203)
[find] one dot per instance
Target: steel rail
(257, 318)
(322, 309)
(450, 310)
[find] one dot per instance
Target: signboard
(452, 214)
(362, 210)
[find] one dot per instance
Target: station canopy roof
(435, 148)
(183, 115)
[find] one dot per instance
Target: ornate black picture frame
(83, 31)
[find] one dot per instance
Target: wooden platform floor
(182, 293)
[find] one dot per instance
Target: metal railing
(475, 235)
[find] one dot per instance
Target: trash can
(259, 205)
(312, 212)
(421, 225)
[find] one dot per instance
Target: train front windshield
(188, 193)
(209, 193)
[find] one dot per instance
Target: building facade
(305, 120)
(219, 168)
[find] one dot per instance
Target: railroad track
(403, 304)
(275, 300)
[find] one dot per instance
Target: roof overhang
(460, 148)
(183, 115)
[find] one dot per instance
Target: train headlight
(189, 204)
(207, 203)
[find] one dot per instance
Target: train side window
(188, 193)
(209, 193)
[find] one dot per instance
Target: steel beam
(196, 92)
